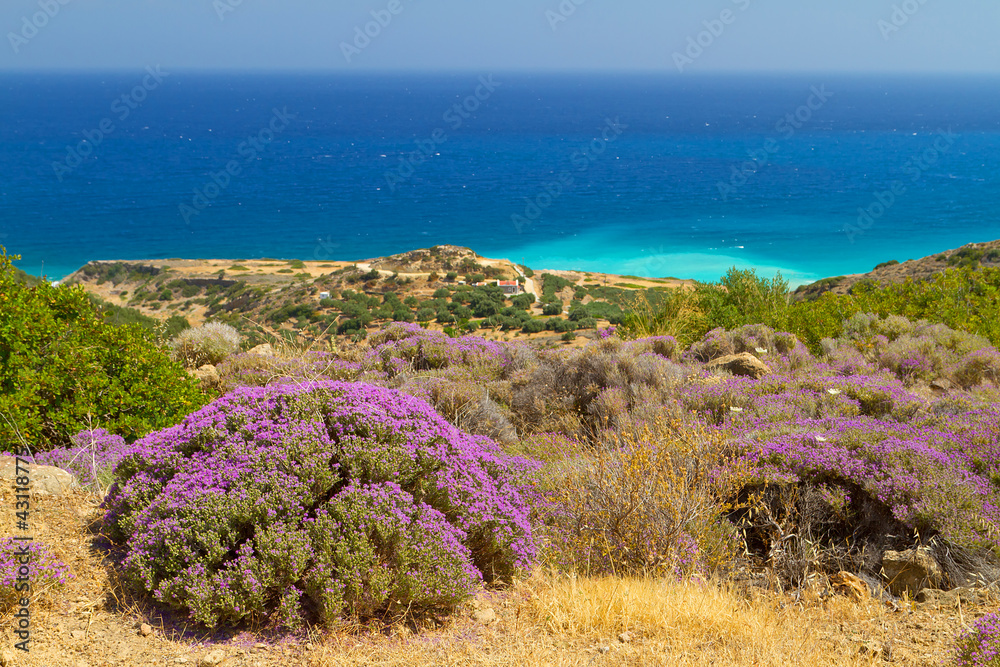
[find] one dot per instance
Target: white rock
(214, 658)
(43, 480)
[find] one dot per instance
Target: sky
(611, 35)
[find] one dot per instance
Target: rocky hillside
(894, 271)
(444, 287)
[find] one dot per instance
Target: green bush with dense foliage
(64, 367)
(965, 298)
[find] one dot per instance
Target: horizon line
(665, 72)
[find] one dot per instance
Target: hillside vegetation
(721, 433)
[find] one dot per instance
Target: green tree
(63, 368)
(487, 301)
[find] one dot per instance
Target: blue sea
(646, 175)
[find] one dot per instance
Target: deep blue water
(641, 197)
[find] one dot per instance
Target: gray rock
(743, 364)
(43, 480)
(911, 571)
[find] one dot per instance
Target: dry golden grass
(577, 621)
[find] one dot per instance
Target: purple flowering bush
(780, 397)
(781, 351)
(316, 502)
(254, 370)
(401, 346)
(92, 457)
(925, 475)
(45, 571)
(913, 351)
(980, 645)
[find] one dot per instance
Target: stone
(6, 658)
(850, 585)
(626, 637)
(938, 598)
(145, 630)
(214, 658)
(484, 616)
(181, 660)
(42, 480)
(264, 350)
(78, 634)
(744, 365)
(911, 571)
(207, 375)
(260, 646)
(941, 386)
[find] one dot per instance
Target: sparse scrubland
(630, 491)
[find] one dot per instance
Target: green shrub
(174, 325)
(742, 297)
(63, 368)
(552, 284)
(487, 301)
(560, 325)
(523, 301)
(533, 326)
(552, 309)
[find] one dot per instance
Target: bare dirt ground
(545, 620)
